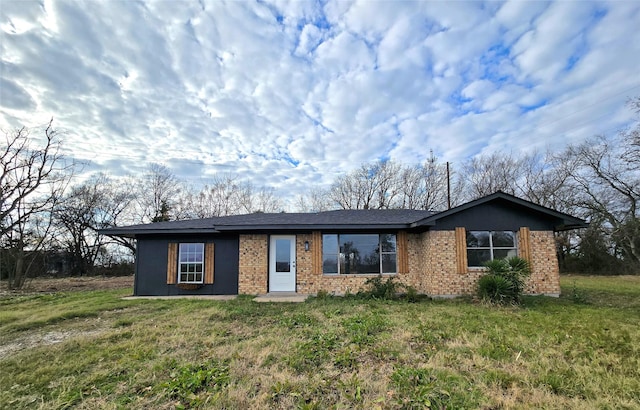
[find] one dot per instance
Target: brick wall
(253, 264)
(545, 275)
(440, 274)
(432, 267)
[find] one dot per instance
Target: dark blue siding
(496, 216)
(151, 266)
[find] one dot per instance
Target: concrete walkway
(204, 297)
(269, 297)
(281, 297)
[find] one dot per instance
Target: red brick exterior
(431, 261)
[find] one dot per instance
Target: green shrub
(411, 294)
(189, 381)
(505, 280)
(380, 289)
(389, 289)
(494, 288)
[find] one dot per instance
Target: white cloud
(291, 94)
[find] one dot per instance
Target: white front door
(282, 263)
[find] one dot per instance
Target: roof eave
(568, 225)
(569, 222)
(310, 227)
(133, 233)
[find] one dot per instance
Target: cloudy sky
(291, 94)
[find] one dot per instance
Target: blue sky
(290, 95)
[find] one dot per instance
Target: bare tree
(608, 186)
(485, 174)
(33, 176)
(226, 195)
(386, 184)
(631, 137)
(424, 186)
(372, 186)
(315, 200)
(96, 204)
(158, 193)
(262, 200)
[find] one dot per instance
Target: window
(483, 246)
(191, 263)
(359, 254)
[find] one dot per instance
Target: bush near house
(504, 281)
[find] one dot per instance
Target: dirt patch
(42, 339)
(52, 285)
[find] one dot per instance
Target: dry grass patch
(326, 353)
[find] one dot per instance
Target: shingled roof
(341, 219)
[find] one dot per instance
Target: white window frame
(191, 262)
(491, 248)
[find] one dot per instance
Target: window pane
(504, 239)
(389, 263)
(478, 239)
(347, 263)
(183, 252)
(330, 263)
(477, 257)
(361, 253)
(388, 242)
(503, 253)
(329, 244)
(191, 263)
(283, 255)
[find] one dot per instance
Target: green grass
(95, 350)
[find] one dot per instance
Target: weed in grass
(432, 336)
(313, 352)
(362, 329)
(500, 378)
(351, 388)
(193, 384)
(424, 388)
(298, 320)
(346, 358)
(280, 390)
(577, 296)
(562, 383)
(123, 323)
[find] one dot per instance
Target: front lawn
(91, 349)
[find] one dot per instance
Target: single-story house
(439, 254)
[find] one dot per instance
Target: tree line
(49, 220)
(44, 210)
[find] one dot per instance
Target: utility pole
(448, 187)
